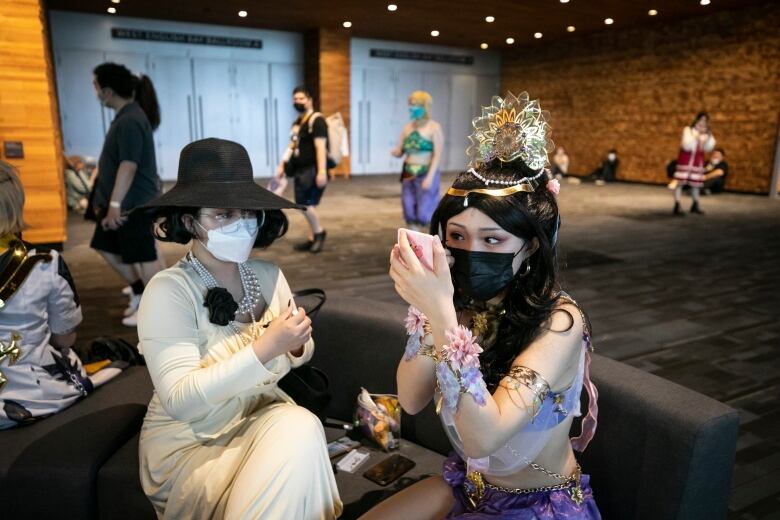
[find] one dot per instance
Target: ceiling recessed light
(242, 14)
(609, 21)
(115, 1)
(537, 35)
(347, 25)
(652, 12)
(111, 10)
(705, 2)
(392, 7)
(564, 1)
(571, 28)
(490, 19)
(483, 46)
(434, 33)
(510, 41)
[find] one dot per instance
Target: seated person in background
(40, 374)
(607, 171)
(717, 170)
(78, 183)
(560, 163)
(218, 331)
(497, 345)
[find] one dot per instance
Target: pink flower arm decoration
(463, 351)
(415, 321)
(415, 328)
(554, 186)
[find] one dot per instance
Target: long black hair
(699, 116)
(532, 298)
(127, 85)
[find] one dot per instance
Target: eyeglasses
(230, 220)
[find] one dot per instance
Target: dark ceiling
(460, 22)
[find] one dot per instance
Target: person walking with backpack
(306, 160)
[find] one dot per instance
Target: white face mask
(233, 242)
(611, 156)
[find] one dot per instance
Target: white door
(439, 87)
(251, 110)
(172, 79)
(380, 136)
(487, 87)
(283, 80)
(213, 96)
(83, 126)
(463, 108)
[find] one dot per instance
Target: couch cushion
(119, 491)
(660, 450)
(49, 468)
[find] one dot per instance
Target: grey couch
(660, 452)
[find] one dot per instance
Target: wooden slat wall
(636, 89)
(29, 113)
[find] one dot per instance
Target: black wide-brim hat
(215, 173)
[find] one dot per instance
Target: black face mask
(480, 275)
(300, 107)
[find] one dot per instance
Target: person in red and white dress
(696, 140)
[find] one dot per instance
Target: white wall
(203, 90)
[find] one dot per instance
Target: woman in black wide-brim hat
(220, 439)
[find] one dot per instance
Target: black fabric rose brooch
(221, 305)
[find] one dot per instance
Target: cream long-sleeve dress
(220, 439)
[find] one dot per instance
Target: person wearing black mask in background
(717, 170)
(607, 172)
(306, 160)
(127, 178)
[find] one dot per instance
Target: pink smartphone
(422, 245)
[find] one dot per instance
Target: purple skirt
(543, 505)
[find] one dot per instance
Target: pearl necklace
(488, 182)
(249, 283)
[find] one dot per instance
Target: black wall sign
(422, 56)
(193, 39)
(13, 149)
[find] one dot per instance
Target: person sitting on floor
(218, 331)
(78, 183)
(493, 341)
(40, 374)
(717, 170)
(607, 170)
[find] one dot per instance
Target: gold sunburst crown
(512, 127)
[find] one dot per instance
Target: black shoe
(695, 208)
(304, 246)
(677, 211)
(319, 242)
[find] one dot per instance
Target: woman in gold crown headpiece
(493, 341)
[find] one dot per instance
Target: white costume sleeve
(689, 139)
(169, 337)
(62, 305)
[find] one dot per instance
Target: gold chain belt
(475, 484)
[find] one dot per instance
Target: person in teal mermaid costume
(422, 141)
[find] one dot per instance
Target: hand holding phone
(421, 244)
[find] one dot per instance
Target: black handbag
(307, 385)
(115, 349)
